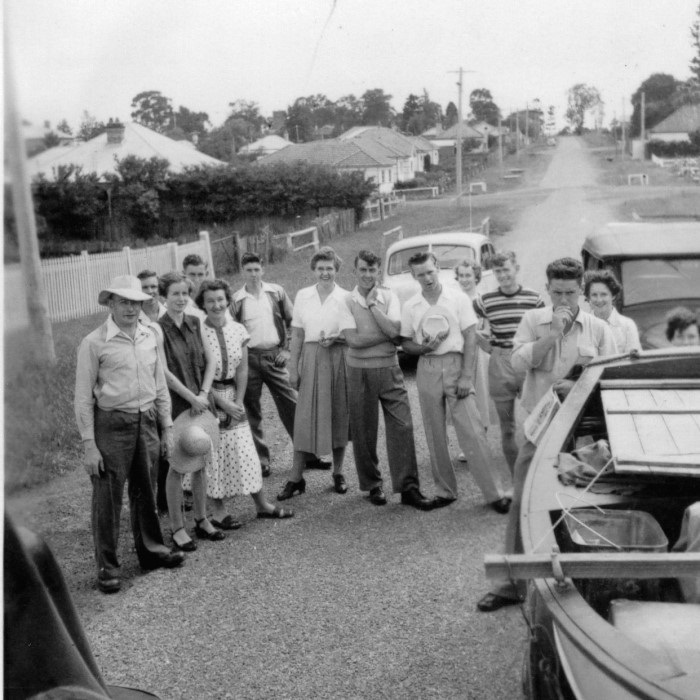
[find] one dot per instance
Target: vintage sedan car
(658, 264)
(449, 249)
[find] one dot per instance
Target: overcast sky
(96, 55)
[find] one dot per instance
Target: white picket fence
(73, 283)
(381, 209)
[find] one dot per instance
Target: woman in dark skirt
(317, 368)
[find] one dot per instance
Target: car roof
(644, 240)
(452, 238)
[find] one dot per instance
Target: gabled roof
(393, 141)
(683, 121)
(98, 156)
(332, 152)
(422, 144)
(267, 144)
(468, 132)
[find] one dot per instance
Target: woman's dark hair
(169, 279)
(678, 320)
(326, 253)
(213, 286)
(476, 268)
(605, 277)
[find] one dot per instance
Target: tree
(660, 91)
(695, 61)
(420, 113)
(581, 98)
(300, 123)
(90, 127)
(249, 112)
(377, 109)
(483, 108)
(550, 124)
(348, 113)
(191, 122)
(63, 127)
(51, 139)
(222, 141)
(153, 110)
(451, 115)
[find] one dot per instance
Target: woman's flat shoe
(276, 513)
(228, 522)
(290, 488)
(339, 483)
(214, 536)
(188, 546)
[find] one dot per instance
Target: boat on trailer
(612, 614)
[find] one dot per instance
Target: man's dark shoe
(441, 501)
(414, 498)
(493, 601)
(109, 585)
(318, 464)
(339, 483)
(502, 505)
(376, 496)
(169, 560)
(265, 470)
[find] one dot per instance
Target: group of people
(168, 388)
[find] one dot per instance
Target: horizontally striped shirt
(504, 311)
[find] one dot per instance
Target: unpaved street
(346, 600)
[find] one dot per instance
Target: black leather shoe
(290, 488)
(414, 498)
(318, 464)
(171, 560)
(214, 536)
(339, 483)
(441, 501)
(376, 496)
(502, 505)
(266, 471)
(109, 585)
(493, 601)
(188, 546)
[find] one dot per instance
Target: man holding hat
(120, 398)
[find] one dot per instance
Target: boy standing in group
(503, 309)
(374, 377)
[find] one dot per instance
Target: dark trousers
(262, 371)
(367, 388)
(129, 445)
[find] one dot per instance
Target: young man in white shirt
(439, 325)
(549, 344)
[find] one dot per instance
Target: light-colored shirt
(383, 354)
(313, 317)
(193, 310)
(624, 331)
(145, 318)
(587, 338)
(118, 373)
(257, 317)
(453, 304)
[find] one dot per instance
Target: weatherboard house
(100, 154)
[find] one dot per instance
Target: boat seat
(670, 630)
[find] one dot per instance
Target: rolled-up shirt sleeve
(85, 380)
(523, 342)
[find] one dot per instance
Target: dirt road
(346, 600)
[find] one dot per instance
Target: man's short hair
(678, 320)
(502, 257)
(145, 274)
(369, 257)
(421, 258)
(169, 279)
(326, 253)
(248, 258)
(565, 269)
(192, 259)
(213, 286)
(605, 277)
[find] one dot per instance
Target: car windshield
(447, 256)
(660, 279)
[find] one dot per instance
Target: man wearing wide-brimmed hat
(120, 398)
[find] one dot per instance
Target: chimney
(115, 131)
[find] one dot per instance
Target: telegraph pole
(458, 170)
(622, 157)
(37, 305)
(642, 134)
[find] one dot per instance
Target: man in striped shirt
(503, 309)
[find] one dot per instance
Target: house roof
(421, 143)
(468, 132)
(684, 120)
(267, 144)
(332, 152)
(389, 139)
(98, 156)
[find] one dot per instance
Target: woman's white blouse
(624, 331)
(313, 317)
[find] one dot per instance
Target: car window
(650, 280)
(486, 253)
(447, 255)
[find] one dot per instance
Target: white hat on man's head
(125, 286)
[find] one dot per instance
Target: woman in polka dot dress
(237, 470)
